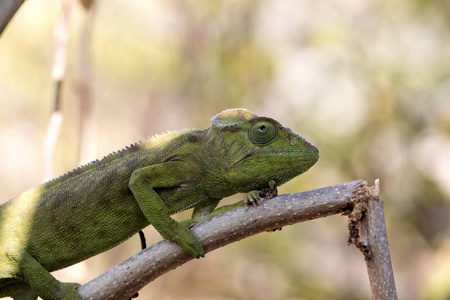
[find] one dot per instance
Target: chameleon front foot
(184, 237)
(270, 191)
(254, 197)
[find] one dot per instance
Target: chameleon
(99, 205)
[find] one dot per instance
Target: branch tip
(360, 203)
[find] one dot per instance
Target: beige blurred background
(367, 82)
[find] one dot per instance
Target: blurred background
(367, 82)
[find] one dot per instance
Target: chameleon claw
(270, 191)
(254, 197)
(255, 202)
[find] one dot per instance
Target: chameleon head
(260, 149)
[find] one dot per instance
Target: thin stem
(58, 74)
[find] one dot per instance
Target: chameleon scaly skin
(101, 204)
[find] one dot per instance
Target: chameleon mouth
(307, 155)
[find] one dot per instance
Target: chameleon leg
(43, 283)
(206, 211)
(166, 175)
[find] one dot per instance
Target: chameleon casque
(97, 206)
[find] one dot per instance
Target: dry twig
(7, 10)
(58, 74)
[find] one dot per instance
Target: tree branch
(7, 10)
(368, 233)
(124, 279)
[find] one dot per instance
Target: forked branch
(123, 280)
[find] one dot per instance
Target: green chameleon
(97, 206)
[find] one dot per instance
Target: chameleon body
(101, 204)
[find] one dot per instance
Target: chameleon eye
(263, 133)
